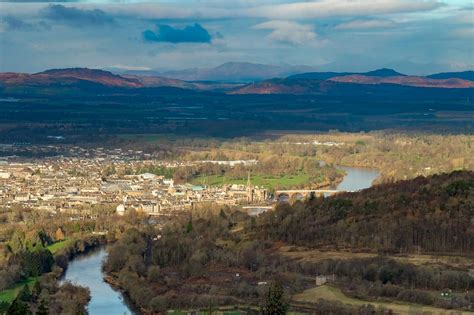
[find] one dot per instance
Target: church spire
(249, 188)
(248, 180)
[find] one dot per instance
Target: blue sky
(413, 36)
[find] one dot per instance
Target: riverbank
(115, 284)
(9, 295)
(106, 297)
(63, 252)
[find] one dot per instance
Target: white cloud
(366, 24)
(243, 9)
(288, 32)
(333, 8)
(252, 30)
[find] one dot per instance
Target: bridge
(298, 194)
(256, 210)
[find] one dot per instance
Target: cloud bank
(76, 16)
(12, 23)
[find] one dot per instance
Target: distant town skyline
(414, 37)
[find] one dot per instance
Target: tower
(249, 188)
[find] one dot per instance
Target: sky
(412, 36)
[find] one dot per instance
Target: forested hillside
(432, 214)
(221, 256)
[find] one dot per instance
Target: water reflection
(356, 178)
(86, 270)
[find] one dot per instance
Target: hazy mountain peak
(384, 72)
(237, 71)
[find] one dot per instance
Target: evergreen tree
(275, 303)
(25, 294)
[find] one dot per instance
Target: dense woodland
(219, 256)
(194, 262)
(422, 215)
(97, 113)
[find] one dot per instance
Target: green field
(334, 294)
(55, 247)
(224, 310)
(10, 294)
(286, 181)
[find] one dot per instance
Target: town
(75, 185)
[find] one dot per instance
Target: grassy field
(10, 294)
(315, 255)
(257, 180)
(455, 261)
(334, 294)
(217, 311)
(55, 247)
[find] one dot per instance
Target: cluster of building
(78, 185)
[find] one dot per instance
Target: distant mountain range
(230, 72)
(303, 83)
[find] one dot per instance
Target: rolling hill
(406, 80)
(71, 80)
(384, 72)
(70, 76)
(84, 78)
(464, 75)
(347, 83)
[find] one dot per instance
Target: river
(86, 270)
(356, 178)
